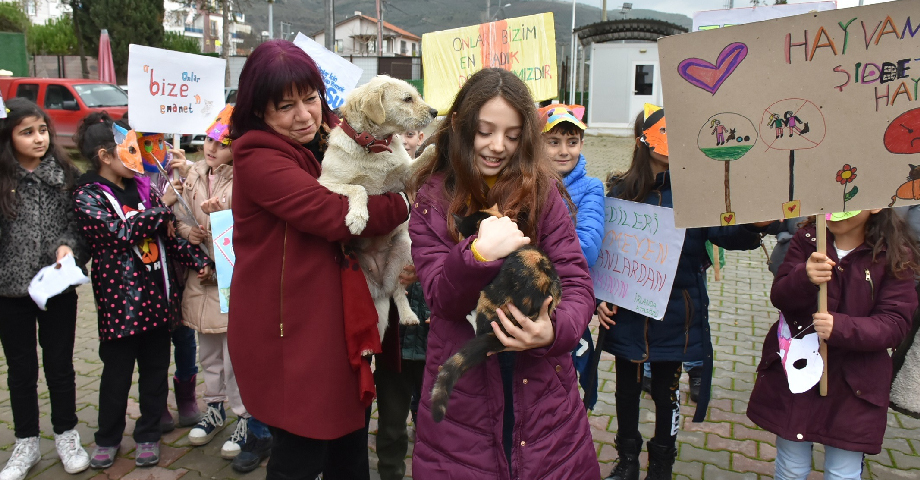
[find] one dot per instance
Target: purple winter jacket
(872, 312)
(552, 437)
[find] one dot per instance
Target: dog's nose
(433, 112)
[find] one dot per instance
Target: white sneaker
(25, 456)
(234, 444)
(73, 456)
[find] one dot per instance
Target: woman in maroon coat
(289, 315)
(869, 270)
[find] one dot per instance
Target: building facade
(357, 36)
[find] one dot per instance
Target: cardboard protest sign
(224, 258)
(709, 19)
(173, 92)
(525, 46)
(638, 258)
(795, 116)
(339, 75)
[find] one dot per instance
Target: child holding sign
(870, 291)
(683, 333)
(519, 412)
(37, 229)
(130, 233)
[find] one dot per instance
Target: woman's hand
(819, 268)
(407, 276)
(498, 237)
(197, 235)
(531, 334)
(824, 325)
(63, 251)
(211, 205)
(605, 313)
(169, 197)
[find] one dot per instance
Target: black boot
(660, 461)
(627, 465)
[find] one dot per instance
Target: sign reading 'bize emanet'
(801, 115)
(638, 258)
(525, 46)
(173, 92)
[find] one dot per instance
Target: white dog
(365, 158)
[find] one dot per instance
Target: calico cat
(525, 279)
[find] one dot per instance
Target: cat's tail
(472, 354)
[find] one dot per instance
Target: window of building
(30, 8)
(414, 49)
(339, 46)
(402, 47)
(645, 76)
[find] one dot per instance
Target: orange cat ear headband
(654, 133)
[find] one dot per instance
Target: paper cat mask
(127, 150)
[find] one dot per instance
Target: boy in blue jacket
(563, 134)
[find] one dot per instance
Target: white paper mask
(54, 279)
(801, 358)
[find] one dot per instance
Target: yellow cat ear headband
(557, 113)
(654, 132)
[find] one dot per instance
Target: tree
(180, 43)
(12, 18)
(53, 38)
(128, 21)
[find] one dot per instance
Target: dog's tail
(472, 354)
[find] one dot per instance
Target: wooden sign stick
(176, 138)
(822, 299)
(716, 268)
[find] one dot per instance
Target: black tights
(665, 381)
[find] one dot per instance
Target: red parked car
(67, 100)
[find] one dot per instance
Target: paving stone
(712, 472)
(746, 447)
(154, 473)
(740, 463)
(689, 453)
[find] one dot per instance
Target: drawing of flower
(846, 175)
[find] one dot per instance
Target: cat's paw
(356, 220)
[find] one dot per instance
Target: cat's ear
(457, 218)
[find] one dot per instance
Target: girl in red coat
(869, 270)
(518, 415)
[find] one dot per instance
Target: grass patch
(726, 153)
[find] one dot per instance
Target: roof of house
(386, 25)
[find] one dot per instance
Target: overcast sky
(688, 7)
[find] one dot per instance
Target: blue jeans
(793, 461)
(183, 339)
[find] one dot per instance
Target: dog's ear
(373, 106)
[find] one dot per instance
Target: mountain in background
(423, 16)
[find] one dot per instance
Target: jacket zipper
(646, 339)
(281, 297)
(688, 309)
(871, 286)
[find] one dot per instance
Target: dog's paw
(409, 318)
(356, 220)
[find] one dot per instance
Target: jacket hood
(142, 182)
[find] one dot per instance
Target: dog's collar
(366, 140)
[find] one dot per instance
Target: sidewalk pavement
(728, 446)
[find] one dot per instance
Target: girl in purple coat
(869, 270)
(518, 415)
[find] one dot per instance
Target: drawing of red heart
(710, 77)
(728, 218)
(791, 208)
(226, 241)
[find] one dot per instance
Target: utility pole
(379, 31)
(330, 25)
(604, 12)
(225, 41)
(572, 85)
(488, 13)
(271, 21)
